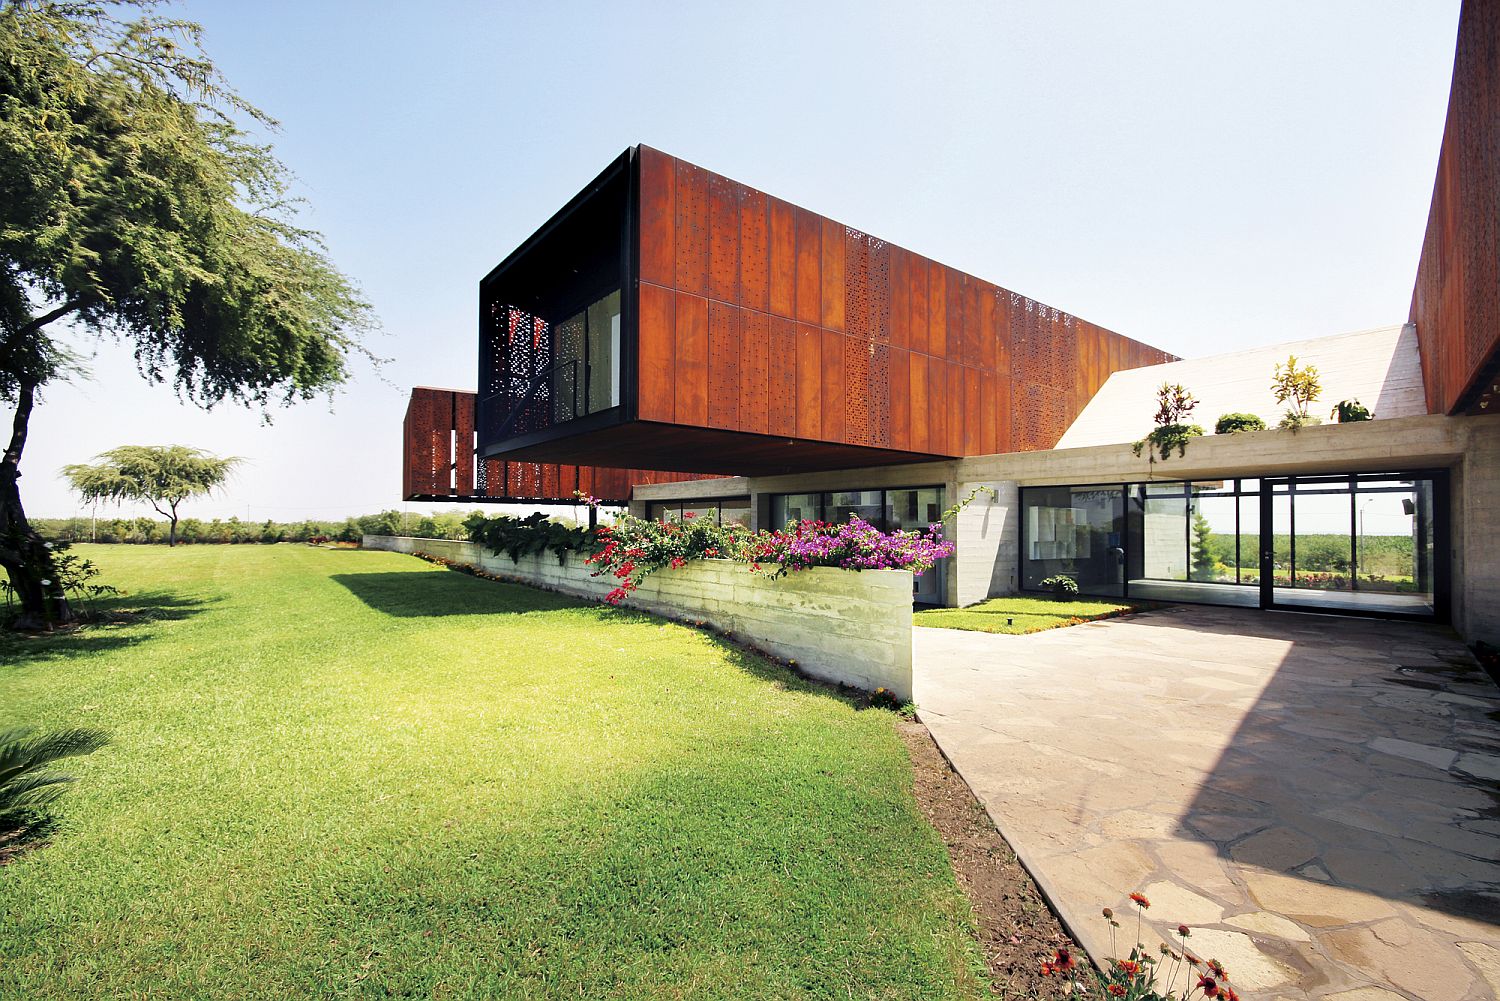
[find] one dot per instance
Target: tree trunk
(25, 554)
(172, 530)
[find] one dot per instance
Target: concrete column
(987, 533)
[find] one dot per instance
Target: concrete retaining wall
(837, 625)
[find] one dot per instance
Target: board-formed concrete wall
(853, 628)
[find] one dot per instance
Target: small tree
(1174, 404)
(161, 475)
(1299, 385)
(1203, 553)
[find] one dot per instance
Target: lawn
(1017, 615)
(351, 773)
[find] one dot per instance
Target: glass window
(567, 371)
(701, 510)
(735, 511)
(913, 510)
(795, 507)
(1163, 533)
(664, 511)
(841, 505)
(1076, 531)
(604, 353)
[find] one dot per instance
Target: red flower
(1184, 931)
(688, 514)
(1062, 959)
(1227, 993)
(1213, 964)
(1117, 990)
(1210, 986)
(710, 552)
(678, 563)
(616, 595)
(1140, 900)
(1048, 969)
(1130, 966)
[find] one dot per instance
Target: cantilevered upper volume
(669, 318)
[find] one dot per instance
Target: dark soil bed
(1017, 930)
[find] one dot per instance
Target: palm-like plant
(27, 781)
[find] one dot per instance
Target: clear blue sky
(1201, 176)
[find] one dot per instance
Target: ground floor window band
(1362, 542)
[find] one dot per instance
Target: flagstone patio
(1318, 797)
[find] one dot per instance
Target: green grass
(353, 774)
(1017, 615)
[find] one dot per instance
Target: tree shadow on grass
(113, 624)
(431, 595)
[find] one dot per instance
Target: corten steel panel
(691, 228)
(809, 254)
(809, 381)
(657, 217)
(831, 271)
(755, 278)
(1456, 298)
(782, 378)
(899, 376)
(657, 347)
(921, 437)
(755, 371)
(692, 373)
(782, 260)
(832, 397)
(723, 239)
(725, 331)
(438, 462)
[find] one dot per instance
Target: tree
(1300, 385)
(1204, 559)
(160, 475)
(134, 204)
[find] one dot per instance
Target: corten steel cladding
(1456, 301)
(758, 316)
(439, 464)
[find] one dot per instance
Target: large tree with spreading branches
(136, 204)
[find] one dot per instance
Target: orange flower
(1140, 900)
(1117, 990)
(1210, 986)
(1048, 969)
(1130, 966)
(1227, 993)
(1063, 960)
(1213, 964)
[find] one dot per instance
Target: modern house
(681, 342)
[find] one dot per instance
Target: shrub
(1061, 586)
(1351, 412)
(517, 537)
(27, 782)
(634, 548)
(1300, 385)
(854, 545)
(1235, 423)
(1293, 421)
(1173, 406)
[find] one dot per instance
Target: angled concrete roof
(1380, 368)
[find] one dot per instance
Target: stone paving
(1318, 797)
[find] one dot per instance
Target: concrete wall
(853, 628)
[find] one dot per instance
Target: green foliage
(1294, 421)
(1235, 423)
(137, 531)
(536, 533)
(27, 782)
(1351, 412)
(1061, 586)
(1168, 438)
(1301, 385)
(1174, 404)
(1205, 558)
(634, 548)
(332, 754)
(133, 199)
